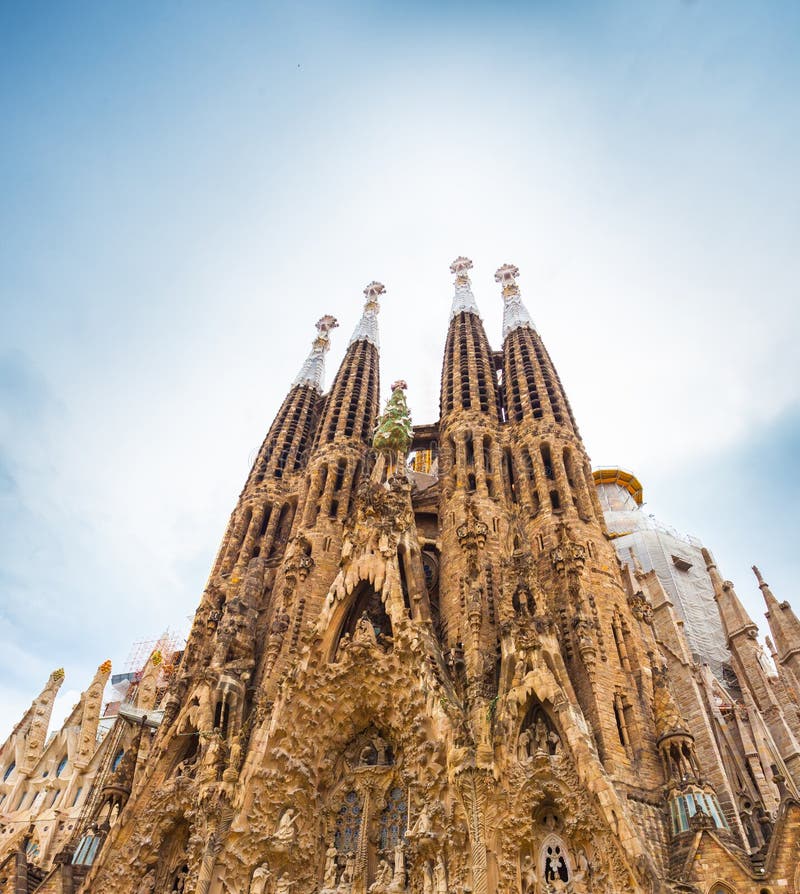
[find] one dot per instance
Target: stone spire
(31, 732)
(367, 328)
(312, 371)
(351, 405)
(90, 706)
(735, 619)
(746, 653)
(515, 314)
(283, 450)
(463, 299)
(783, 623)
(668, 718)
(468, 373)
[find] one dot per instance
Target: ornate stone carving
(260, 882)
(641, 607)
(472, 533)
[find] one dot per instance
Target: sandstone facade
(439, 676)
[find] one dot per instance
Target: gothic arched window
(394, 819)
(348, 824)
(554, 860)
(61, 766)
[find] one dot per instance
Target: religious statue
(583, 869)
(427, 878)
(440, 876)
(524, 745)
(422, 827)
(381, 746)
(214, 753)
(528, 875)
(540, 734)
(346, 879)
(398, 882)
(383, 878)
(260, 881)
(365, 632)
(331, 868)
(283, 885)
(286, 833)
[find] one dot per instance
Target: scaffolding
(676, 558)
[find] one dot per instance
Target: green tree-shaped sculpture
(393, 432)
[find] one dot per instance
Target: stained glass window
(394, 819)
(86, 850)
(348, 824)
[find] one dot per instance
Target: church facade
(438, 675)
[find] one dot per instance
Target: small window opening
(548, 463)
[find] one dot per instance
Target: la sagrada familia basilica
(440, 659)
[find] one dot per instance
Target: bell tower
(550, 486)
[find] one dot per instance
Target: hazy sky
(187, 187)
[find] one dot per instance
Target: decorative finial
(394, 431)
(507, 277)
(367, 328)
(312, 371)
(374, 290)
(759, 578)
(58, 674)
(515, 314)
(460, 267)
(326, 323)
(105, 667)
(463, 300)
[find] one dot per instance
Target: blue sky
(187, 187)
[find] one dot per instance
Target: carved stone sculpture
(383, 878)
(285, 833)
(260, 881)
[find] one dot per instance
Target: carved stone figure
(427, 878)
(524, 745)
(285, 833)
(261, 879)
(180, 881)
(383, 878)
(381, 747)
(528, 875)
(398, 882)
(440, 876)
(331, 868)
(422, 826)
(346, 878)
(540, 734)
(365, 632)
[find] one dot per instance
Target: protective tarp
(679, 566)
